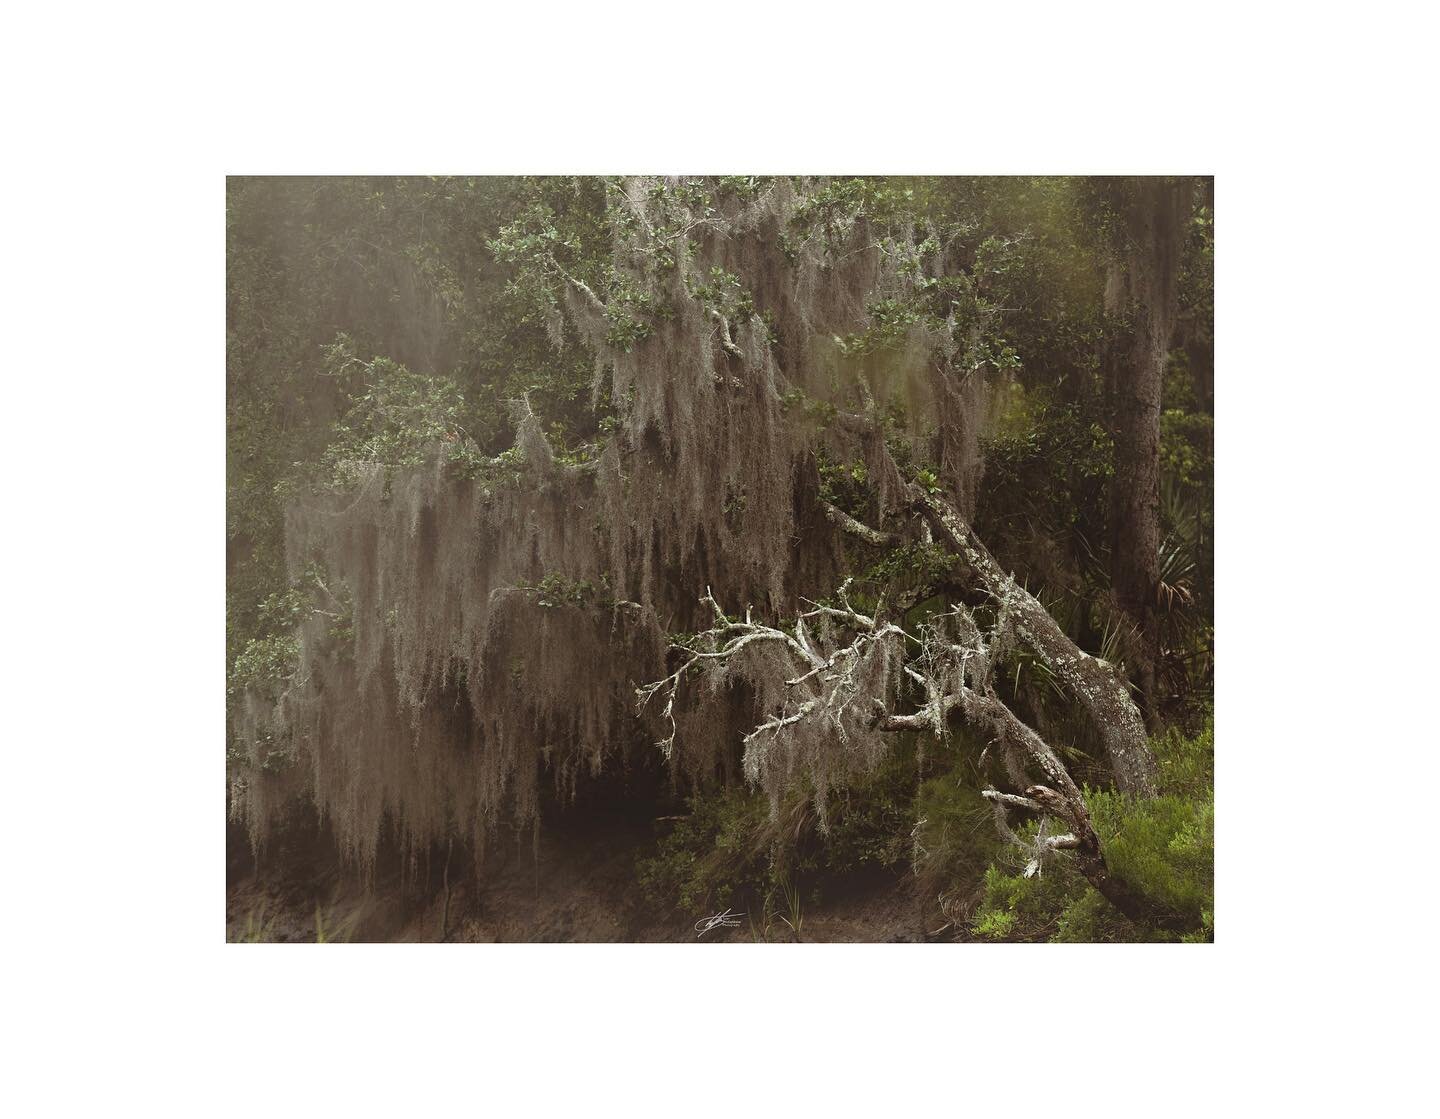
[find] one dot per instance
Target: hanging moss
(463, 667)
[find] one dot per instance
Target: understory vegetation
(855, 533)
(728, 852)
(1163, 847)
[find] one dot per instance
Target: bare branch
(1010, 798)
(727, 343)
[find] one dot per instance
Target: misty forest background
(607, 554)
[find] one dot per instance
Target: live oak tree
(754, 532)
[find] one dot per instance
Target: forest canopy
(871, 517)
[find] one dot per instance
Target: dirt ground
(569, 884)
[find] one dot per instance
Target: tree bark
(1142, 288)
(1095, 683)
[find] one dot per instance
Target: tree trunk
(1142, 288)
(1096, 684)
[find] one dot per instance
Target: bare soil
(569, 884)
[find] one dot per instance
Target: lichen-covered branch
(846, 523)
(814, 684)
(831, 696)
(1095, 683)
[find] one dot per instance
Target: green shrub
(952, 842)
(1014, 907)
(730, 850)
(871, 819)
(1163, 848)
(715, 856)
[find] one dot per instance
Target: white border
(125, 120)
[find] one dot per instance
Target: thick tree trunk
(1095, 683)
(1135, 508)
(1143, 288)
